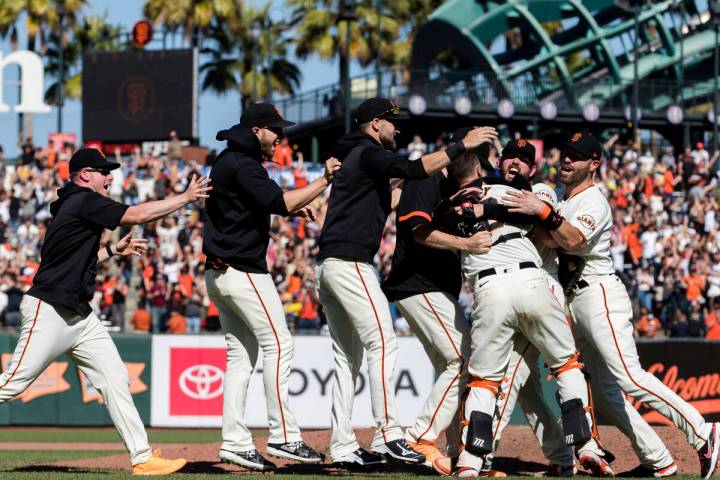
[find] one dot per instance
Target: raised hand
(478, 136)
(197, 188)
(332, 165)
(128, 246)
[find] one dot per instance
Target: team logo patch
(521, 143)
(587, 221)
(576, 137)
(544, 195)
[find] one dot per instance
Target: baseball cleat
(708, 454)
(295, 451)
(360, 458)
(399, 450)
(156, 465)
(428, 449)
(595, 463)
(555, 470)
(249, 459)
(641, 471)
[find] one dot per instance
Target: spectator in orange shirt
(141, 320)
(176, 323)
(283, 154)
(712, 323)
(647, 326)
(695, 283)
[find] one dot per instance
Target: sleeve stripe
(416, 213)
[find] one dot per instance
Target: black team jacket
(360, 197)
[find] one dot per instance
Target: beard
(267, 149)
(574, 177)
(388, 141)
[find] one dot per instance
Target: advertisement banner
(62, 395)
(188, 374)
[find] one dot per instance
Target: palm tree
(320, 32)
(248, 53)
(193, 18)
(91, 34)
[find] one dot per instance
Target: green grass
(10, 460)
(109, 435)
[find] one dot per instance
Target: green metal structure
(573, 51)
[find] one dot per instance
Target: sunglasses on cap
(394, 110)
(574, 157)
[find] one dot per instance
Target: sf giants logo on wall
(136, 99)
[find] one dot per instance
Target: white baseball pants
(518, 302)
(522, 384)
(48, 331)
(438, 321)
(252, 316)
(359, 318)
(602, 316)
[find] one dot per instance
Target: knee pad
(575, 425)
(479, 437)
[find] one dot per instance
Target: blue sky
(216, 112)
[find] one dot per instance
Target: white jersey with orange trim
(502, 253)
(549, 255)
(602, 325)
(589, 211)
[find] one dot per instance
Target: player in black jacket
(357, 311)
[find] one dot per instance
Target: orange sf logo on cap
(521, 143)
(576, 137)
(277, 110)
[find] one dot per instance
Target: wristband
(553, 220)
(109, 250)
(455, 150)
(545, 212)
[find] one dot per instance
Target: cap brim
(282, 124)
(109, 165)
(568, 147)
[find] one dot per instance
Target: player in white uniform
(512, 295)
(602, 312)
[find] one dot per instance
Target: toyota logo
(202, 382)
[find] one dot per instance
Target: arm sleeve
(378, 162)
(261, 190)
(101, 210)
(590, 218)
(416, 203)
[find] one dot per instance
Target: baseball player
(357, 311)
(513, 295)
(235, 242)
(521, 381)
(601, 309)
(56, 314)
(424, 283)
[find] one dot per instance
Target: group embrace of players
(540, 269)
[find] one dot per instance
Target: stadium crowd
(665, 245)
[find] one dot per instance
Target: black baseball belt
(506, 269)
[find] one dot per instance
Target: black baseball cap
(376, 107)
(585, 145)
(263, 115)
(90, 158)
(521, 149)
(483, 151)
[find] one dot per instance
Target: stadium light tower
(346, 13)
(635, 7)
(715, 13)
(61, 65)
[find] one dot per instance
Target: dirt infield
(519, 453)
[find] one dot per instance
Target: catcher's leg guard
(479, 439)
(575, 425)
